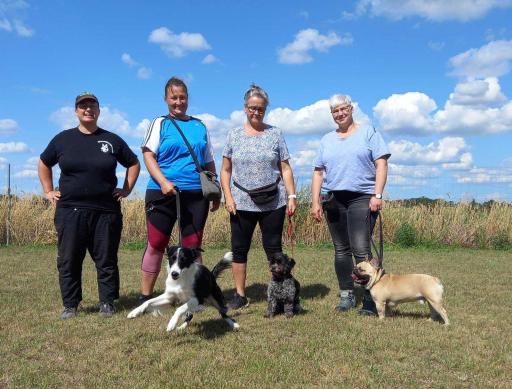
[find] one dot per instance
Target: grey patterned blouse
(255, 163)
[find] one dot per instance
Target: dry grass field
(436, 224)
(318, 348)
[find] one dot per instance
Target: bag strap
(257, 189)
(192, 153)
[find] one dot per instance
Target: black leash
(379, 251)
(178, 215)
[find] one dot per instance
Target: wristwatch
(378, 196)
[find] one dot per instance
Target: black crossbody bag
(262, 195)
(209, 183)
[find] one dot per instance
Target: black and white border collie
(191, 284)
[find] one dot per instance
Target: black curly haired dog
(283, 290)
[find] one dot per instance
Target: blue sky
(433, 76)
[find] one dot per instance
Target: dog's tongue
(360, 281)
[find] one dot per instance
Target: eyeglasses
(257, 109)
(345, 109)
(84, 106)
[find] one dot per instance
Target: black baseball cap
(85, 96)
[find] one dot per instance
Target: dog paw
(182, 327)
(288, 315)
(236, 326)
(133, 314)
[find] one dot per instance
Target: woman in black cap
(88, 213)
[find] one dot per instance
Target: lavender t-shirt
(255, 163)
(348, 163)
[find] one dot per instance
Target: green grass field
(318, 348)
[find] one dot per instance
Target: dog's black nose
(175, 275)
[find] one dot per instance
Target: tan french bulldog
(388, 290)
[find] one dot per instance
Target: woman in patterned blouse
(255, 156)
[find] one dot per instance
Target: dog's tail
(224, 263)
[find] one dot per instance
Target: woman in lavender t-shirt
(350, 171)
(255, 156)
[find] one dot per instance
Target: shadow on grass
(258, 292)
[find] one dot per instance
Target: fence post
(8, 216)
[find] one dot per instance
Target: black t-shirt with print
(88, 167)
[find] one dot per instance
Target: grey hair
(255, 91)
(337, 100)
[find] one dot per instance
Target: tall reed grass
(438, 223)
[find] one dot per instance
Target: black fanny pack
(262, 195)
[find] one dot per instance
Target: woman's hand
(230, 206)
(120, 193)
(292, 206)
(215, 205)
(168, 188)
(376, 204)
(53, 196)
(317, 211)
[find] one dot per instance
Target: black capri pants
(242, 229)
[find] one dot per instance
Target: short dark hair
(175, 81)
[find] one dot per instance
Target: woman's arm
(381, 176)
(132, 173)
(167, 187)
(316, 186)
(289, 184)
(225, 180)
(46, 178)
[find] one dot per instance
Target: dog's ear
(289, 265)
(170, 250)
(292, 263)
(196, 252)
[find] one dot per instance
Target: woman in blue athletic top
(349, 175)
(172, 169)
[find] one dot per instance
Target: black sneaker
(68, 313)
(347, 301)
(107, 309)
(143, 298)
(368, 308)
(238, 302)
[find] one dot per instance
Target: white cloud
(22, 30)
(415, 171)
(478, 92)
(144, 73)
(298, 51)
(110, 119)
(491, 60)
(10, 17)
(434, 10)
(26, 173)
(178, 45)
(475, 107)
(485, 176)
(5, 25)
(465, 162)
(314, 118)
(405, 113)
(8, 126)
(127, 59)
(210, 58)
(13, 147)
(446, 150)
(304, 158)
